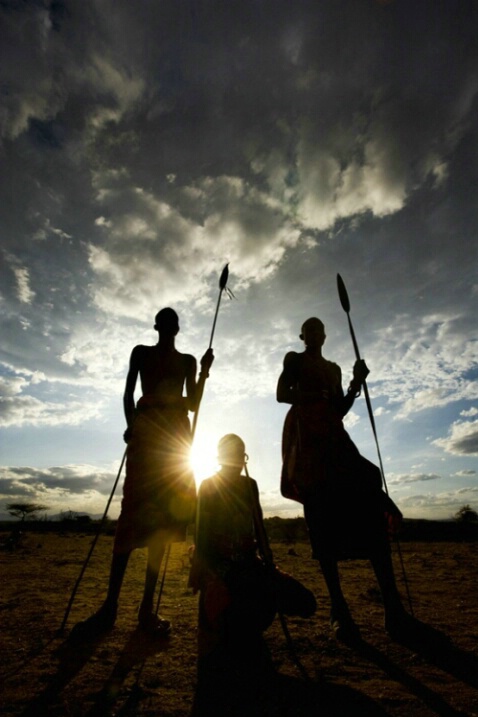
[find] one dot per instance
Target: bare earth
(126, 673)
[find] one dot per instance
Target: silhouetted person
(159, 493)
(230, 564)
(348, 515)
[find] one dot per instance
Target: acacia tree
(25, 510)
(466, 514)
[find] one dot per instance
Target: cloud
(469, 413)
(405, 479)
(20, 408)
(151, 249)
(439, 359)
(439, 506)
(76, 487)
(462, 439)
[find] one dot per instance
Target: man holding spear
(159, 493)
(348, 514)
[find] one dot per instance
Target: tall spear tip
(224, 277)
(343, 296)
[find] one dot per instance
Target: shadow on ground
(74, 653)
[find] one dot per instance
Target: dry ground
(124, 673)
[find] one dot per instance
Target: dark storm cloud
(65, 479)
(144, 145)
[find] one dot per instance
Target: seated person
(240, 588)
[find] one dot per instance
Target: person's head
(167, 322)
(313, 332)
(231, 451)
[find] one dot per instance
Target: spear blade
(224, 277)
(343, 296)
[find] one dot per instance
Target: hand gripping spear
(344, 300)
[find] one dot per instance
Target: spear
(203, 376)
(344, 300)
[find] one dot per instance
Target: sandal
(344, 627)
(154, 625)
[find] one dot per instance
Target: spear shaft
(92, 546)
(344, 300)
(200, 389)
(203, 375)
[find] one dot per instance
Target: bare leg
(383, 568)
(119, 563)
(398, 623)
(147, 616)
(340, 617)
(155, 557)
(104, 619)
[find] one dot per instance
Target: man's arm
(287, 390)
(199, 561)
(131, 379)
(191, 393)
(261, 535)
(194, 391)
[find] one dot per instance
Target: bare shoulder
(207, 487)
(138, 352)
(291, 360)
(334, 367)
(189, 361)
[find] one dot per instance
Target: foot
(344, 627)
(100, 622)
(407, 629)
(154, 625)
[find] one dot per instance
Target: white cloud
(30, 411)
(25, 294)
(429, 371)
(469, 413)
(462, 439)
(151, 250)
(439, 506)
(406, 478)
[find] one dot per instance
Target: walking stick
(92, 547)
(344, 300)
(264, 549)
(200, 389)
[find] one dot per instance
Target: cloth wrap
(159, 491)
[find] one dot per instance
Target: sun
(203, 459)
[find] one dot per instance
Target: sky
(145, 145)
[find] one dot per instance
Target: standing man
(348, 515)
(159, 492)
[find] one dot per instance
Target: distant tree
(466, 514)
(25, 510)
